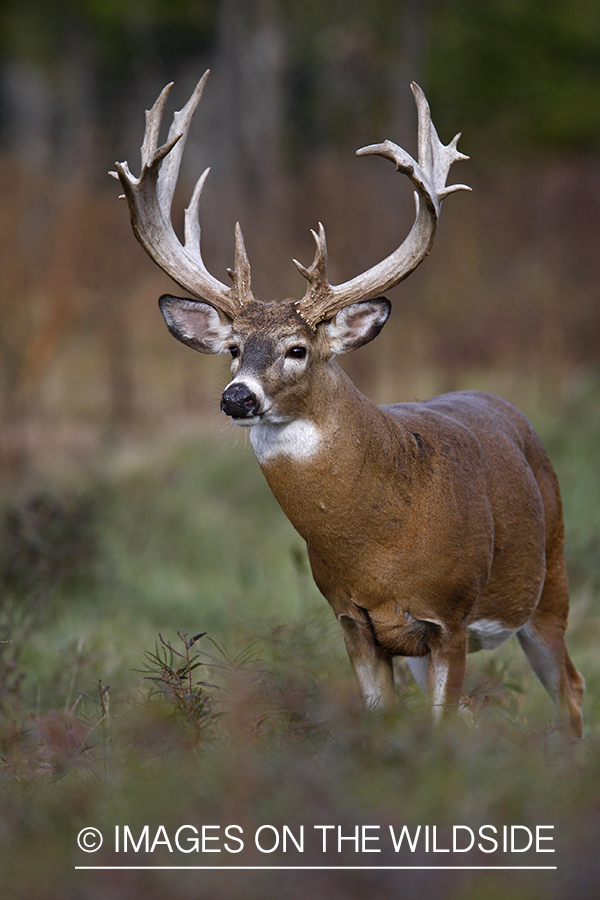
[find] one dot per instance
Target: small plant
(173, 674)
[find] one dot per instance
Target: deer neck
(310, 435)
(331, 457)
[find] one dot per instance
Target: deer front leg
(373, 668)
(447, 663)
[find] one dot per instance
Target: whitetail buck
(433, 528)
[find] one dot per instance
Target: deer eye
(235, 352)
(296, 353)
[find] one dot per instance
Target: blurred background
(296, 88)
(132, 516)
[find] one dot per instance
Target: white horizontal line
(331, 868)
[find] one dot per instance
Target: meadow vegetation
(165, 659)
(170, 662)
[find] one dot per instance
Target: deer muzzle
(239, 402)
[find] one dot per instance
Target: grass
(116, 711)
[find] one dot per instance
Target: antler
(322, 300)
(150, 198)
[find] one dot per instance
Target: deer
(433, 528)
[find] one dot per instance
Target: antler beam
(322, 300)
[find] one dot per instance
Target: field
(114, 717)
(172, 684)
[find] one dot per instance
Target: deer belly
(486, 634)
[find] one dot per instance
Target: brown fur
(422, 518)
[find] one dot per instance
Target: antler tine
(435, 158)
(318, 269)
(240, 274)
(153, 122)
(179, 130)
(192, 230)
(322, 300)
(150, 199)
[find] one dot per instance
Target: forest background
(128, 509)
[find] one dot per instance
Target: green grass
(267, 729)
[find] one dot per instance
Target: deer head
(276, 348)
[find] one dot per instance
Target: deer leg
(544, 646)
(446, 674)
(419, 668)
(543, 641)
(373, 668)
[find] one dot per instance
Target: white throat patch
(297, 439)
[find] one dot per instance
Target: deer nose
(239, 402)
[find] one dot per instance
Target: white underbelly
(486, 634)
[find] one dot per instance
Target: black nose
(239, 402)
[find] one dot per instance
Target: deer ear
(196, 324)
(357, 324)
